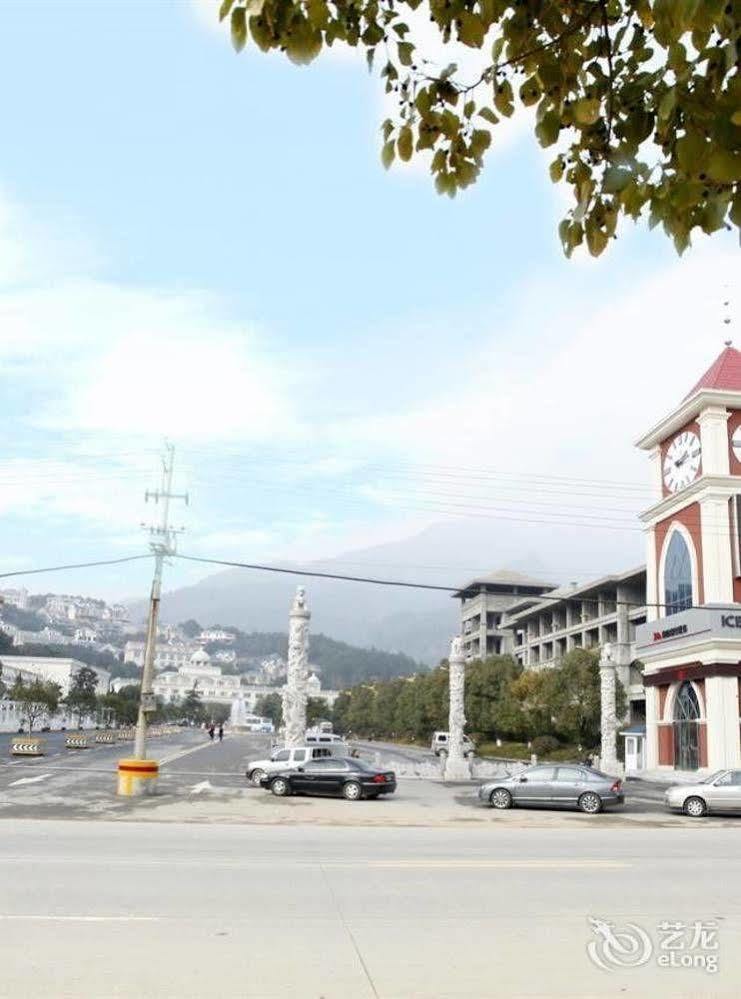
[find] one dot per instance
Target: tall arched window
(677, 575)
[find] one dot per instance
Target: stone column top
(300, 606)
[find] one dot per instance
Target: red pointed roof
(723, 374)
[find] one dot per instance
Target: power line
(397, 582)
(75, 565)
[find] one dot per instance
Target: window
(570, 774)
(736, 777)
(540, 773)
(282, 756)
(300, 755)
(724, 781)
(677, 575)
(317, 766)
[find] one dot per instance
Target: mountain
(416, 622)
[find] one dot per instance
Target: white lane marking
(181, 753)
(81, 919)
(28, 780)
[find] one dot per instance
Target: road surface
(122, 909)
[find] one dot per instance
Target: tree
(37, 698)
(640, 98)
(190, 628)
(575, 697)
(491, 709)
(270, 706)
(124, 705)
(316, 710)
(81, 698)
(192, 706)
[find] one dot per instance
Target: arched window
(677, 575)
(686, 706)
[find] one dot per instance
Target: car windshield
(712, 777)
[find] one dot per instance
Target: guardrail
(26, 745)
(77, 742)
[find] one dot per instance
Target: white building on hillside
(58, 670)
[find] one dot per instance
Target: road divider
(77, 742)
(106, 738)
(26, 745)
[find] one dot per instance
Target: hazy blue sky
(205, 245)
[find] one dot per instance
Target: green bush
(544, 745)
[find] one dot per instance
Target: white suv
(440, 744)
(288, 759)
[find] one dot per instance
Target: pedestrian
(211, 730)
(221, 731)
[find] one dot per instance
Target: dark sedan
(559, 786)
(337, 776)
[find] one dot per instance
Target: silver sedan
(720, 792)
(554, 786)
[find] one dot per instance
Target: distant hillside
(341, 664)
(417, 622)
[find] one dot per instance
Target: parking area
(203, 781)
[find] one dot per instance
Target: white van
(291, 758)
(440, 744)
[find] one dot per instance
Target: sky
(204, 246)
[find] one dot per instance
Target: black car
(338, 776)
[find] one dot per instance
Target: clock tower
(691, 643)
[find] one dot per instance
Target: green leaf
(405, 50)
(226, 6)
(724, 167)
(586, 110)
(471, 30)
(548, 128)
(556, 169)
(488, 115)
(615, 180)
(239, 28)
(387, 154)
(504, 98)
(405, 144)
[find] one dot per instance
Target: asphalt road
(123, 909)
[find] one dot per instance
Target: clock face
(682, 461)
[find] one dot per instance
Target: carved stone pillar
(609, 724)
(456, 764)
(294, 695)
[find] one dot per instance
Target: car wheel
(352, 790)
(280, 787)
(590, 803)
(256, 776)
(500, 798)
(695, 807)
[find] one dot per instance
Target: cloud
(609, 359)
(143, 363)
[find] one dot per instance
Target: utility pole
(163, 544)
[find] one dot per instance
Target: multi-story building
(586, 616)
(215, 635)
(16, 598)
(484, 603)
(56, 669)
(691, 642)
(167, 655)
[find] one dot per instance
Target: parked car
(440, 744)
(336, 776)
(720, 792)
(558, 786)
(288, 759)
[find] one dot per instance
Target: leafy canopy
(640, 99)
